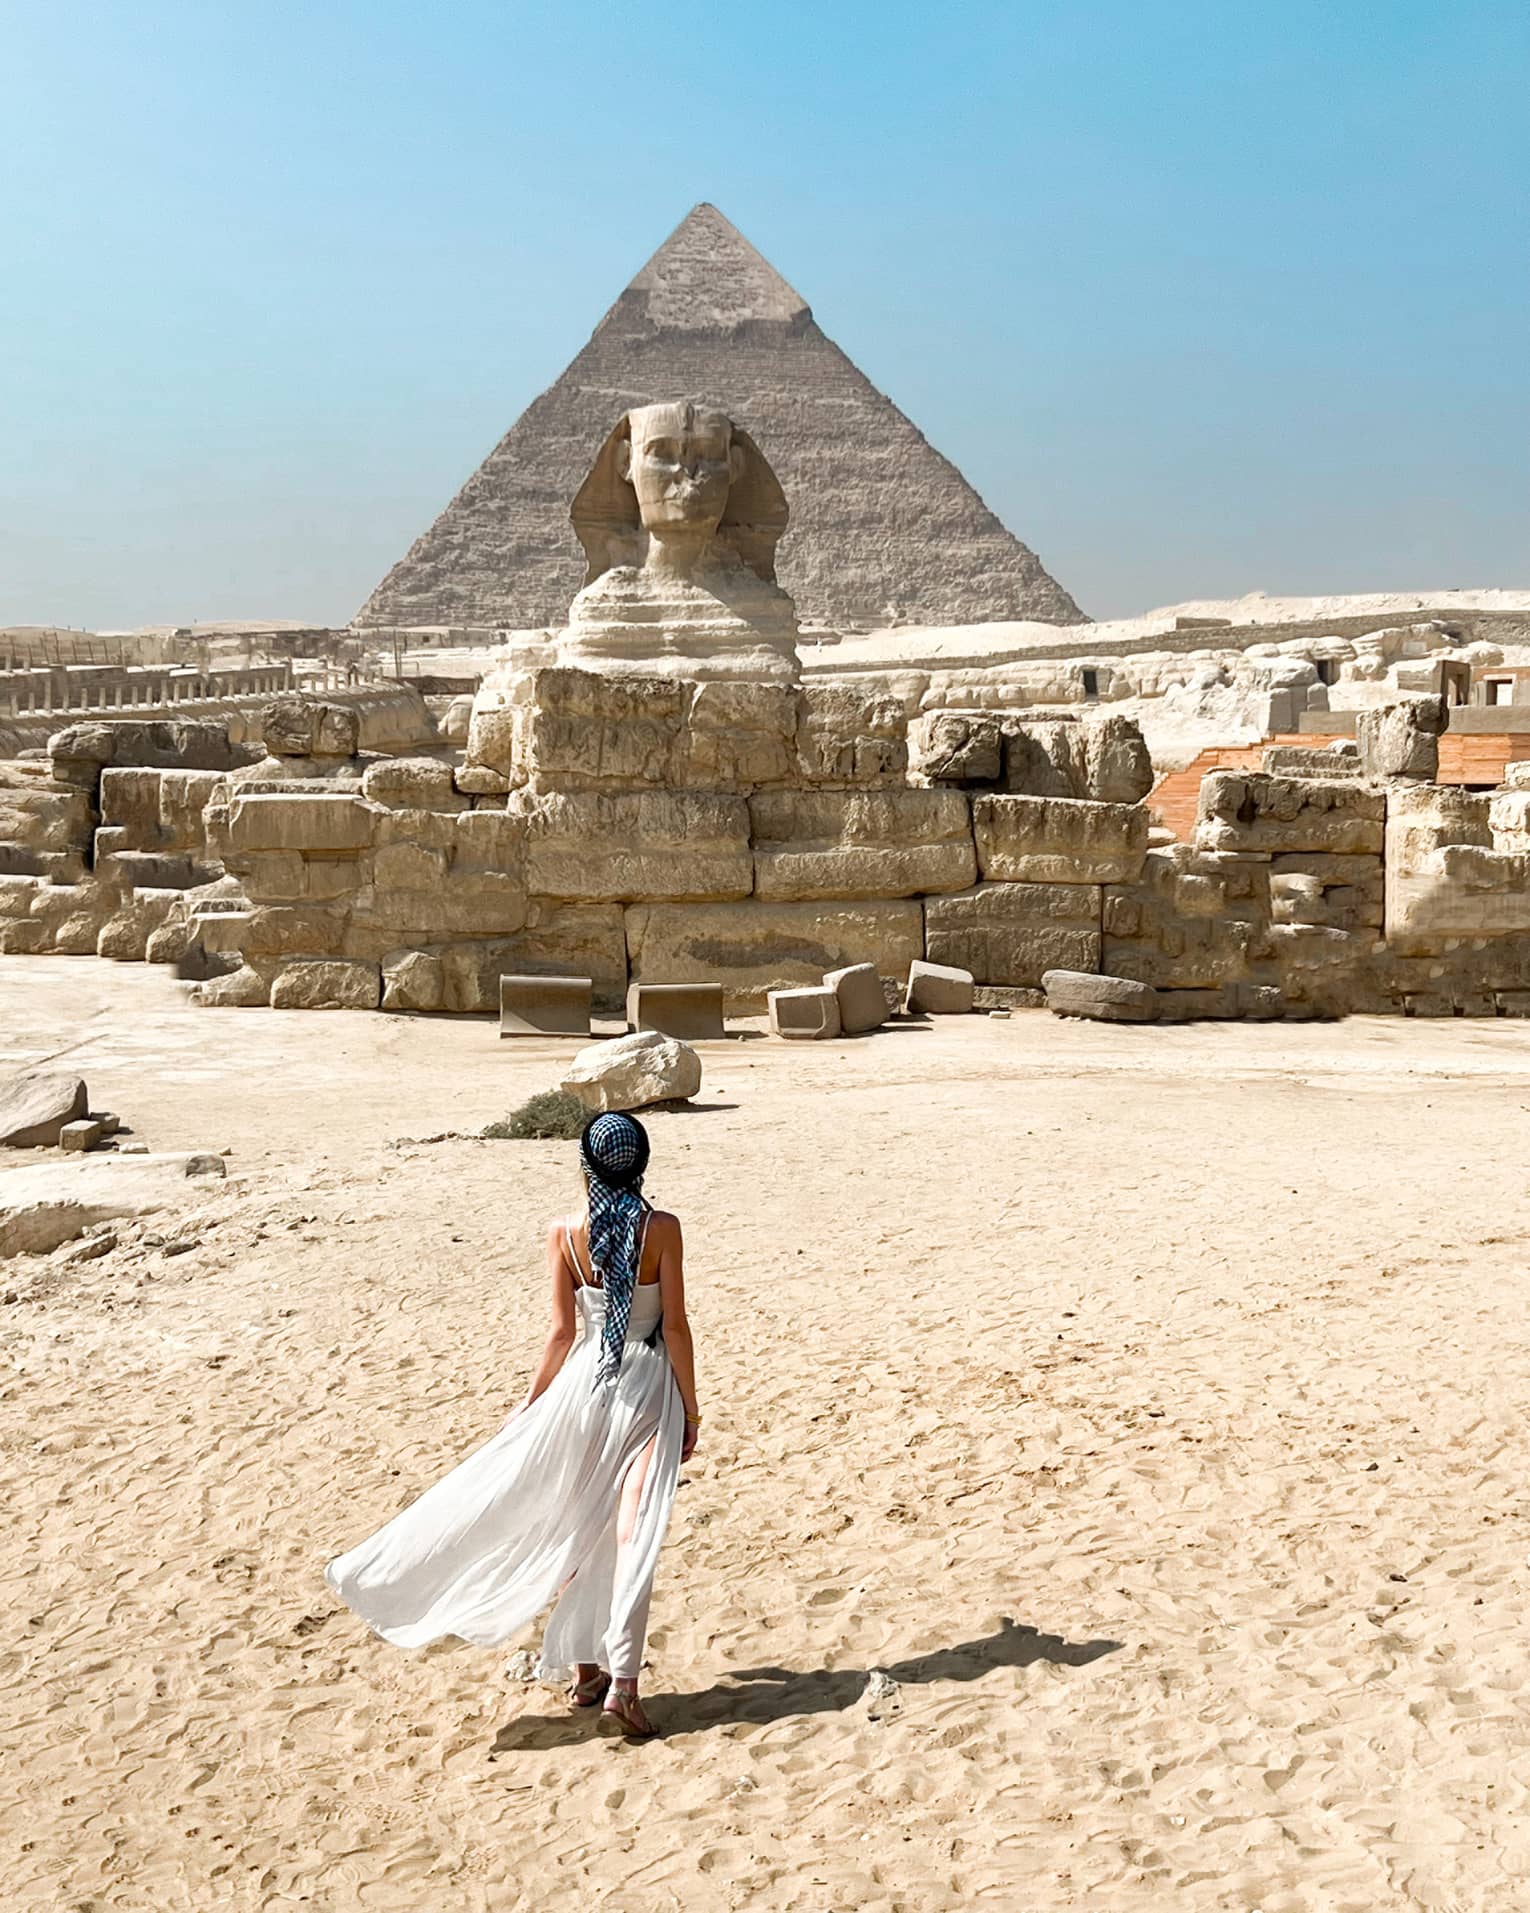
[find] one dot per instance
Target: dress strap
(588, 1281)
(584, 1281)
(637, 1273)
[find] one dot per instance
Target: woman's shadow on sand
(762, 1694)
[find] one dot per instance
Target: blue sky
(1204, 298)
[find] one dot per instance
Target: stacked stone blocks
(755, 838)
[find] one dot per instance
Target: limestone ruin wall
(758, 835)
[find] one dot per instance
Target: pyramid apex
(706, 276)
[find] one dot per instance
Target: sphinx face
(681, 466)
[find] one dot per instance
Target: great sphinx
(679, 519)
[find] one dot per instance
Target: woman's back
(647, 1307)
(659, 1228)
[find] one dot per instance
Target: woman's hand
(688, 1442)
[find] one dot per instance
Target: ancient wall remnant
(757, 836)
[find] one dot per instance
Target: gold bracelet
(694, 1420)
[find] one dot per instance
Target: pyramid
(883, 529)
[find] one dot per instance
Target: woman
(570, 1500)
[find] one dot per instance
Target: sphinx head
(681, 463)
(672, 482)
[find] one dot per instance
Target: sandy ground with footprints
(1149, 1405)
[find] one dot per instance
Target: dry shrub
(551, 1116)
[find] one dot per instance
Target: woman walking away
(570, 1500)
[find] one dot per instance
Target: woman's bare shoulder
(662, 1224)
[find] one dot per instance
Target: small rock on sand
(880, 1696)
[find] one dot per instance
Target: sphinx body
(679, 520)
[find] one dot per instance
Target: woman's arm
(560, 1336)
(677, 1329)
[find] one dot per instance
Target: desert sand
(1149, 1404)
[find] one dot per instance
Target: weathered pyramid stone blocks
(805, 1015)
(293, 820)
(326, 986)
(877, 843)
(412, 783)
(1102, 999)
(1102, 758)
(847, 735)
(557, 939)
(412, 980)
(1249, 810)
(1058, 840)
(861, 997)
(638, 846)
(1192, 920)
(755, 947)
(938, 989)
(960, 748)
(1454, 867)
(561, 729)
(1012, 933)
(739, 736)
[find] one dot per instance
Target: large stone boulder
(1104, 999)
(298, 820)
(957, 747)
(1102, 758)
(35, 1107)
(412, 783)
(1403, 739)
(861, 1000)
(307, 985)
(938, 989)
(412, 980)
(80, 753)
(309, 727)
(631, 1072)
(848, 735)
(805, 1015)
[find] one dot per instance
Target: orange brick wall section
(1176, 795)
(1465, 758)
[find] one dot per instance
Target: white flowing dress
(530, 1517)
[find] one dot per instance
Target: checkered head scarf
(614, 1151)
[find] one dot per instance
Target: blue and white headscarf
(614, 1151)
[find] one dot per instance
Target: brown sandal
(623, 1714)
(591, 1692)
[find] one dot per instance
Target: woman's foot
(589, 1685)
(623, 1713)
